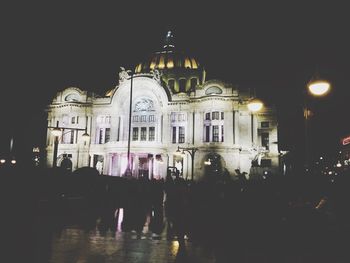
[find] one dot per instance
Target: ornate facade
(172, 105)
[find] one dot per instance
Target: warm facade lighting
(255, 105)
(170, 63)
(187, 63)
(319, 88)
(2, 161)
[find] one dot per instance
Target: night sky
(275, 48)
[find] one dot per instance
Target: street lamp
(191, 151)
(317, 88)
(57, 132)
(128, 171)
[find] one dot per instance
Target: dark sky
(274, 47)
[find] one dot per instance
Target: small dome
(168, 58)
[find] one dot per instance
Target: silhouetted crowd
(278, 216)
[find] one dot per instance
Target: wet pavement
(76, 245)
(65, 240)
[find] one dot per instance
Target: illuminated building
(173, 104)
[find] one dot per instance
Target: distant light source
(255, 105)
(13, 161)
(2, 161)
(319, 87)
(339, 164)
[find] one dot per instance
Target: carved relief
(144, 104)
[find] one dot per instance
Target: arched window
(171, 84)
(182, 85)
(193, 83)
(213, 90)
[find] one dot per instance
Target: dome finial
(169, 40)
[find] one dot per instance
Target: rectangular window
(173, 117)
(174, 135)
(100, 137)
(215, 115)
(181, 117)
(143, 133)
(215, 133)
(108, 119)
(207, 116)
(107, 135)
(207, 133)
(151, 135)
(265, 124)
(73, 120)
(265, 140)
(181, 134)
(143, 118)
(222, 133)
(152, 118)
(71, 137)
(77, 119)
(135, 133)
(135, 118)
(222, 115)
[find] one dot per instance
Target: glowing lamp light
(319, 88)
(56, 132)
(13, 161)
(207, 162)
(2, 161)
(179, 152)
(255, 105)
(339, 165)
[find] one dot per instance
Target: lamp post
(316, 88)
(191, 151)
(128, 171)
(57, 132)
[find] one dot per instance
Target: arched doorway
(214, 166)
(66, 163)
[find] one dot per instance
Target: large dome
(180, 72)
(168, 58)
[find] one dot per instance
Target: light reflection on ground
(74, 244)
